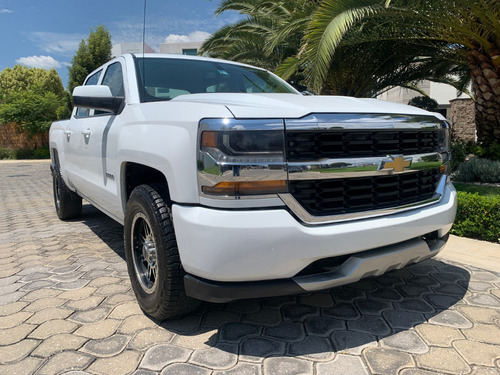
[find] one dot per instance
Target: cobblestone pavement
(66, 306)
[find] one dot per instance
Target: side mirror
(97, 97)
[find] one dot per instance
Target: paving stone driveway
(66, 306)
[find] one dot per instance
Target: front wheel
(153, 260)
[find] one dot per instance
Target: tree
(270, 32)
(32, 109)
(91, 54)
(32, 98)
(359, 47)
(272, 35)
(20, 78)
(424, 102)
(465, 33)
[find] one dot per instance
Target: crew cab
(230, 184)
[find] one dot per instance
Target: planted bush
(5, 153)
(478, 217)
(478, 170)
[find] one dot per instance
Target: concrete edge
(481, 254)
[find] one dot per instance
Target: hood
(297, 106)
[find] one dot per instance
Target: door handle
(68, 132)
(86, 132)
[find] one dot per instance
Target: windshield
(164, 79)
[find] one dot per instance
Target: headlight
(241, 158)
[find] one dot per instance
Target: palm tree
(273, 31)
(464, 35)
(270, 32)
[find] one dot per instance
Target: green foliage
(459, 152)
(6, 153)
(424, 102)
(32, 98)
(479, 170)
(483, 190)
(478, 217)
(91, 54)
(23, 153)
(41, 153)
(33, 110)
(22, 78)
(491, 151)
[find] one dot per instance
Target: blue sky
(46, 33)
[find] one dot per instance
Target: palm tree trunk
(485, 69)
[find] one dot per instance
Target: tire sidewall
(56, 188)
(150, 302)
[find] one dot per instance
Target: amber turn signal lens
(239, 188)
(209, 139)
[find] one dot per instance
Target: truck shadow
(108, 230)
(314, 326)
(345, 319)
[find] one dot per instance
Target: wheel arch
(136, 174)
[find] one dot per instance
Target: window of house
(190, 51)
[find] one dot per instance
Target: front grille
(349, 195)
(316, 145)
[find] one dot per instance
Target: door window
(92, 80)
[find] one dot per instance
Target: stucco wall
(462, 117)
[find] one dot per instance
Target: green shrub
(23, 153)
(478, 217)
(478, 170)
(424, 102)
(491, 152)
(6, 153)
(459, 152)
(42, 153)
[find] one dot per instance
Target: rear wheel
(153, 260)
(68, 203)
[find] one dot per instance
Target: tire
(153, 260)
(68, 204)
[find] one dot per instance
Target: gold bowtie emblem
(397, 163)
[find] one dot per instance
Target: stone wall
(12, 137)
(462, 118)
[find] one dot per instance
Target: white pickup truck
(230, 184)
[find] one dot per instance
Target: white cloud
(195, 36)
(65, 44)
(45, 62)
(5, 11)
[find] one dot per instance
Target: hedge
(478, 217)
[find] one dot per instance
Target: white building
(440, 92)
(181, 48)
(130, 47)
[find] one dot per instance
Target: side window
(113, 78)
(92, 80)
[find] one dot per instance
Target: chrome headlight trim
(235, 172)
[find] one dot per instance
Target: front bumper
(231, 246)
(369, 263)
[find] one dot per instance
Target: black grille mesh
(349, 195)
(315, 145)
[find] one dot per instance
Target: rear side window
(92, 80)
